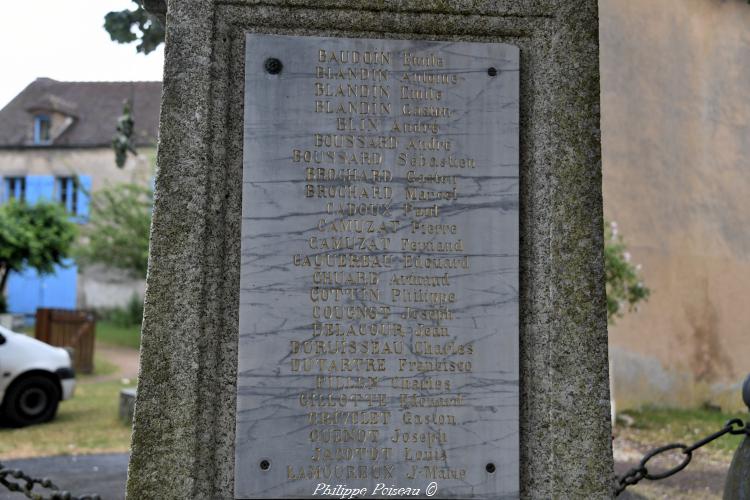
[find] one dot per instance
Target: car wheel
(31, 400)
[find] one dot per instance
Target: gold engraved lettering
(353, 330)
(429, 438)
(351, 90)
(419, 160)
(410, 59)
(419, 296)
(419, 401)
(354, 57)
(449, 348)
(360, 74)
(341, 454)
(354, 107)
(339, 472)
(415, 127)
(343, 347)
(421, 384)
(420, 93)
(413, 194)
(338, 417)
(355, 141)
(434, 418)
(431, 246)
(435, 472)
(431, 314)
(430, 331)
(417, 455)
(419, 280)
(418, 226)
(323, 365)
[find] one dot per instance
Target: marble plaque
(378, 336)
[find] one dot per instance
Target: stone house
(50, 134)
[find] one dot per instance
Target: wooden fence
(69, 328)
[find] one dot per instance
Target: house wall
(96, 287)
(98, 163)
(676, 143)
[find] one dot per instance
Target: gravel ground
(703, 478)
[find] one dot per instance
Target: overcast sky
(65, 40)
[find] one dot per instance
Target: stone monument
(376, 253)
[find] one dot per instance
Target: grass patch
(87, 423)
(102, 366)
(660, 426)
(125, 336)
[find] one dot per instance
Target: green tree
(625, 288)
(148, 30)
(37, 236)
(118, 229)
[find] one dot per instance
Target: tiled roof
(94, 107)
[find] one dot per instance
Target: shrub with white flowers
(625, 288)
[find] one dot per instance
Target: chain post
(737, 486)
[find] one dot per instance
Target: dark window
(15, 188)
(67, 189)
(42, 133)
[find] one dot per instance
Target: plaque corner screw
(272, 66)
(265, 465)
(492, 71)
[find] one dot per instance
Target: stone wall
(98, 163)
(675, 118)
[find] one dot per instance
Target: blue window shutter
(39, 187)
(84, 196)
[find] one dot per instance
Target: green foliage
(130, 315)
(120, 25)
(37, 236)
(122, 142)
(625, 287)
(118, 230)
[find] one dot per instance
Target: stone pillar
(185, 412)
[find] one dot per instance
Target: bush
(129, 315)
(625, 287)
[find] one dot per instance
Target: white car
(34, 378)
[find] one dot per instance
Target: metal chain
(16, 480)
(735, 426)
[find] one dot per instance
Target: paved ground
(101, 474)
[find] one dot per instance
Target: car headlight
(71, 352)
